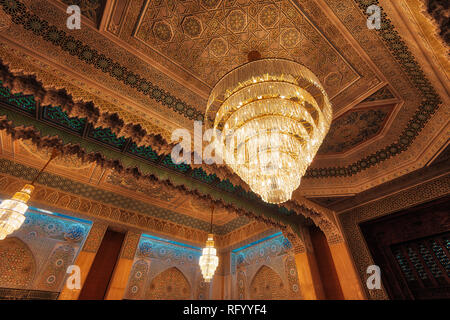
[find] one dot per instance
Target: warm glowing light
(273, 115)
(209, 260)
(12, 211)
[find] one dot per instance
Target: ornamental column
(85, 258)
(307, 269)
(122, 270)
(221, 282)
(346, 271)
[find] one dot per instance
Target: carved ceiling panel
(91, 9)
(354, 127)
(27, 149)
(154, 62)
(328, 202)
(210, 38)
(221, 216)
(198, 44)
(382, 94)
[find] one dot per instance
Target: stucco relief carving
(5, 20)
(209, 42)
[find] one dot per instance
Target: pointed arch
(267, 285)
(17, 264)
(53, 197)
(64, 200)
(170, 284)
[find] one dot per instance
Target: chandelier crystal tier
(269, 117)
(12, 211)
(209, 261)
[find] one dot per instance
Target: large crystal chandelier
(269, 118)
(12, 211)
(209, 260)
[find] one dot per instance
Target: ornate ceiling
(153, 63)
(208, 38)
(89, 181)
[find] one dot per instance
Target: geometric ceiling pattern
(91, 9)
(354, 127)
(381, 96)
(211, 37)
(438, 166)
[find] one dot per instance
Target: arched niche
(170, 284)
(267, 285)
(17, 264)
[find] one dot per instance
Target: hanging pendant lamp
(209, 260)
(12, 211)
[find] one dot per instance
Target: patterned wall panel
(267, 264)
(292, 276)
(36, 256)
(130, 245)
(241, 285)
(55, 269)
(170, 284)
(164, 269)
(17, 263)
(267, 285)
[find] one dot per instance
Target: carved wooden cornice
(28, 85)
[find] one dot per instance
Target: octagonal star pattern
(212, 37)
